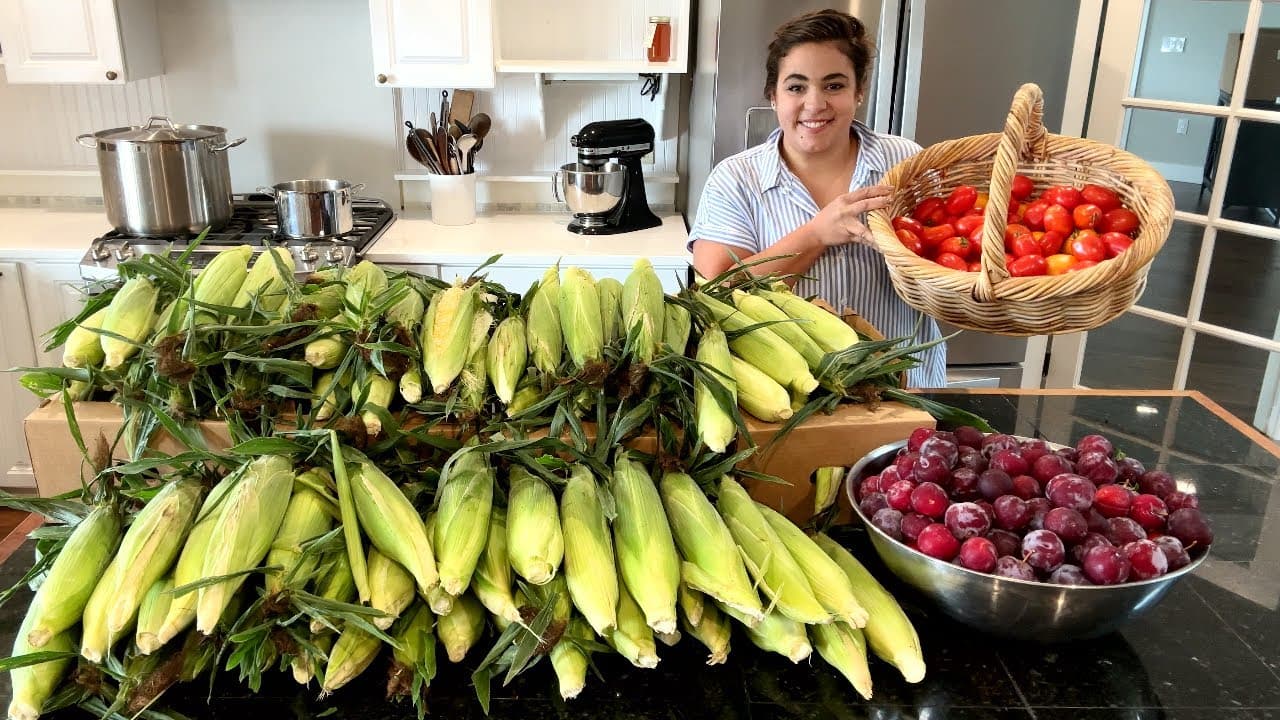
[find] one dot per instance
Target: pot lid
(161, 129)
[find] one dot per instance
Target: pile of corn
(663, 561)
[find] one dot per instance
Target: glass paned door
(1193, 87)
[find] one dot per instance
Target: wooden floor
(1242, 292)
(9, 519)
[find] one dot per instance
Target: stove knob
(124, 252)
(308, 254)
(335, 255)
(99, 251)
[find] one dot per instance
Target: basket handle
(1024, 135)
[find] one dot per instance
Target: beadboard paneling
(41, 122)
(515, 145)
(616, 30)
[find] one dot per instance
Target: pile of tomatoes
(1062, 230)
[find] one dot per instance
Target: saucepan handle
(267, 190)
(227, 146)
(92, 144)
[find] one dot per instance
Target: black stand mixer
(608, 197)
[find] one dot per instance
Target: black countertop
(1210, 649)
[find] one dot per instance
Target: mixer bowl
(590, 189)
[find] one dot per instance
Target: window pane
(1243, 292)
(1131, 352)
(1230, 373)
(1173, 270)
(1185, 54)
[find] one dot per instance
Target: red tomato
(957, 246)
(1116, 243)
(1086, 215)
(1058, 219)
(975, 237)
(1082, 264)
(975, 266)
(1033, 216)
(961, 200)
(1121, 220)
(1100, 196)
(1022, 187)
(1024, 245)
(1014, 230)
(1028, 265)
(953, 261)
(911, 241)
(1051, 242)
(966, 224)
(932, 236)
(905, 223)
(926, 208)
(1067, 197)
(1086, 245)
(1060, 263)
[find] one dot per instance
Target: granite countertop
(1210, 649)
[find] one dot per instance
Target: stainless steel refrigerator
(943, 69)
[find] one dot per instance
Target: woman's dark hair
(845, 31)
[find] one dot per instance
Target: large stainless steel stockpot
(162, 179)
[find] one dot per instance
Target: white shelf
(589, 67)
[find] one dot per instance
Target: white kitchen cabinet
(107, 42)
(54, 293)
(432, 43)
(17, 350)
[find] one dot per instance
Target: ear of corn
(462, 520)
(543, 330)
(446, 335)
(759, 394)
(351, 655)
(588, 552)
(715, 423)
(761, 347)
(378, 396)
(845, 648)
(570, 661)
(338, 585)
(190, 565)
(643, 316)
(305, 664)
(416, 652)
(712, 563)
(392, 524)
(712, 630)
(505, 357)
(390, 588)
(408, 310)
(829, 583)
(461, 628)
(646, 552)
(632, 638)
(759, 310)
(827, 484)
(580, 317)
(327, 300)
(151, 615)
(492, 579)
(781, 578)
(83, 347)
(527, 394)
(62, 597)
(130, 314)
(146, 553)
(326, 393)
(250, 519)
(411, 385)
(534, 538)
(266, 281)
(610, 293)
(691, 604)
(33, 685)
(889, 633)
(306, 518)
(220, 281)
(830, 332)
(325, 353)
(779, 634)
(364, 282)
(474, 379)
(676, 326)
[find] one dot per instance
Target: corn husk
(305, 664)
(378, 397)
(182, 607)
(338, 584)
(845, 648)
(676, 326)
(130, 314)
(492, 579)
(465, 503)
(716, 425)
(777, 633)
(633, 638)
(83, 347)
(759, 394)
(61, 600)
(307, 517)
(461, 628)
(33, 685)
(761, 347)
(266, 280)
(351, 655)
(390, 588)
(570, 661)
(535, 541)
(759, 310)
(325, 353)
(830, 332)
(589, 567)
(446, 335)
(392, 524)
(712, 630)
(580, 318)
(543, 329)
(365, 282)
(610, 293)
(829, 583)
(647, 558)
(505, 357)
(643, 316)
(474, 379)
(152, 613)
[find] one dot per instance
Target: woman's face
(816, 98)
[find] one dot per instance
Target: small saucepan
(311, 209)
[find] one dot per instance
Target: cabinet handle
(382, 79)
(111, 75)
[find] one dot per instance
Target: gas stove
(253, 222)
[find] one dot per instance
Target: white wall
(1189, 76)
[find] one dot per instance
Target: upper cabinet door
(432, 43)
(79, 41)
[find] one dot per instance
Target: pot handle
(266, 190)
(92, 144)
(227, 146)
(555, 186)
(357, 188)
(155, 119)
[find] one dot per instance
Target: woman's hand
(840, 222)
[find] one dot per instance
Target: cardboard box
(840, 438)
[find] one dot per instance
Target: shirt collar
(773, 171)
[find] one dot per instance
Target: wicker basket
(991, 300)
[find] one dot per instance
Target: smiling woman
(802, 195)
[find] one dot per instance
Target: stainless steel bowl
(590, 189)
(1005, 606)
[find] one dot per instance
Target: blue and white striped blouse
(752, 200)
